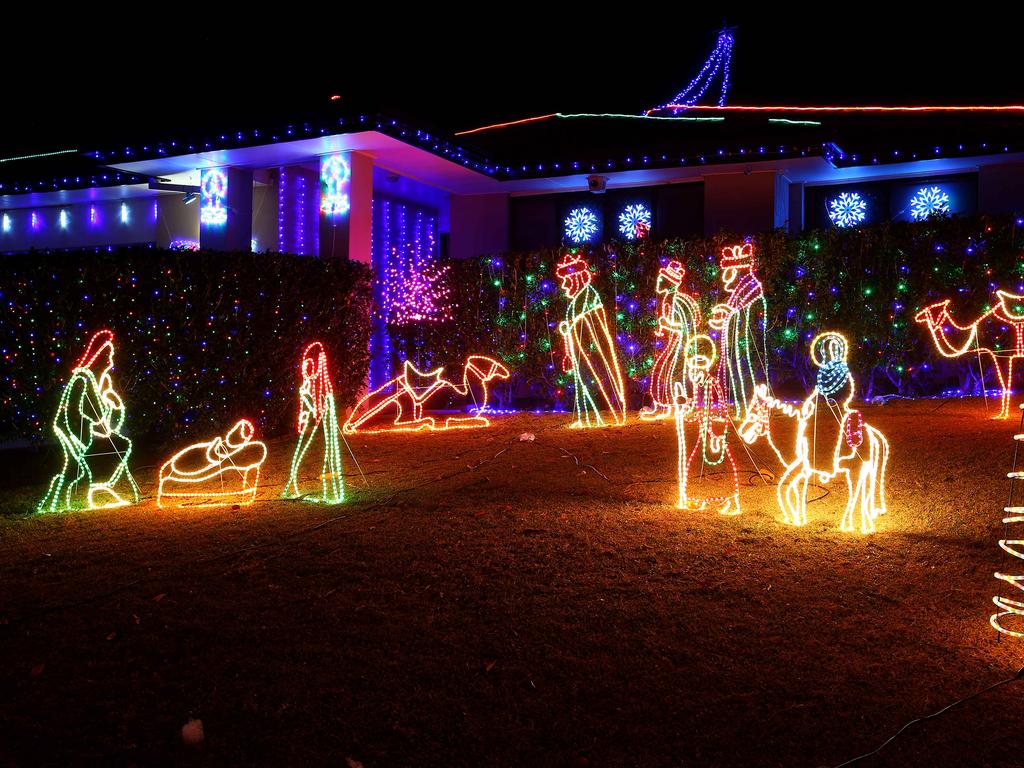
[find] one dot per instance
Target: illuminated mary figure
(88, 425)
(589, 349)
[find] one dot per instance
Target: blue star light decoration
(929, 201)
(847, 210)
(580, 225)
(635, 221)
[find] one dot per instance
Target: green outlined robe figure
(318, 422)
(88, 428)
(589, 349)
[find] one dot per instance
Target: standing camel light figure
(401, 405)
(856, 450)
(317, 415)
(589, 348)
(998, 334)
(88, 425)
(705, 405)
(678, 319)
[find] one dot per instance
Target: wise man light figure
(88, 425)
(740, 322)
(678, 319)
(589, 349)
(703, 403)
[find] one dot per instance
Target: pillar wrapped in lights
(225, 209)
(346, 192)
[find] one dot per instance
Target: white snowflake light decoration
(580, 225)
(847, 210)
(929, 201)
(635, 221)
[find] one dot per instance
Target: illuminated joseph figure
(88, 425)
(678, 318)
(590, 353)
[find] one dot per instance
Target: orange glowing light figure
(997, 334)
(707, 407)
(589, 348)
(678, 319)
(225, 470)
(402, 404)
(858, 451)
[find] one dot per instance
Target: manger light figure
(589, 349)
(706, 406)
(854, 449)
(317, 419)
(88, 425)
(678, 319)
(402, 404)
(225, 470)
(997, 334)
(740, 323)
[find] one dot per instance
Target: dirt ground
(480, 601)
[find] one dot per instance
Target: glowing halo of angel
(860, 452)
(88, 426)
(1000, 328)
(590, 354)
(317, 418)
(224, 470)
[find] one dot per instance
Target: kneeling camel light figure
(860, 452)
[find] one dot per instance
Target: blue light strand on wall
(929, 201)
(635, 221)
(124, 213)
(6, 223)
(63, 218)
(335, 177)
(213, 190)
(847, 210)
(298, 229)
(581, 225)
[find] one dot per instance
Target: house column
(225, 209)
(346, 206)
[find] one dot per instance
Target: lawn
(481, 601)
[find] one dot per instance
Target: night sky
(449, 70)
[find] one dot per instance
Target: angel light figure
(704, 404)
(88, 428)
(678, 319)
(317, 417)
(589, 348)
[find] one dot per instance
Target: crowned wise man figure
(740, 322)
(678, 319)
(589, 349)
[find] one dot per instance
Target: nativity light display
(404, 403)
(929, 201)
(706, 406)
(678, 320)
(87, 426)
(997, 334)
(334, 185)
(580, 225)
(852, 448)
(590, 354)
(635, 221)
(848, 209)
(740, 322)
(317, 425)
(213, 197)
(224, 470)
(1009, 615)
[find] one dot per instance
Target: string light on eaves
(929, 201)
(847, 210)
(580, 225)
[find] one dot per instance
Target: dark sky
(450, 69)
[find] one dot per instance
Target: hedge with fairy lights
(868, 282)
(203, 338)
